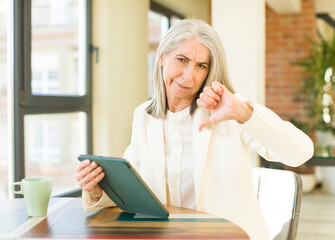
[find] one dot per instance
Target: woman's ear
(161, 60)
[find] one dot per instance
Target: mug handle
(17, 184)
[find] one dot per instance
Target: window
(4, 10)
(52, 89)
(53, 143)
(56, 45)
(159, 19)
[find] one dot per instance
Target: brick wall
(285, 42)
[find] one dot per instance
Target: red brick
(286, 42)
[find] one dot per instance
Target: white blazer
(222, 166)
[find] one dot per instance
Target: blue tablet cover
(126, 188)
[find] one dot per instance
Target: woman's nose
(188, 72)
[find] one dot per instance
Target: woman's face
(185, 69)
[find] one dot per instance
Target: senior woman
(191, 142)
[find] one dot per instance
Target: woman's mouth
(182, 87)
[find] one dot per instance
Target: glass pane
(3, 100)
(57, 57)
(158, 26)
(52, 144)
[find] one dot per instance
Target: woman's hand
(223, 105)
(88, 175)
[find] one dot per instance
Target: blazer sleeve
(91, 204)
(274, 139)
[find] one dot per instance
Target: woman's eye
(182, 60)
(203, 66)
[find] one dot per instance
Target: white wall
(241, 26)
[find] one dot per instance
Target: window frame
(24, 102)
(160, 9)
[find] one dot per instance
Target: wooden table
(67, 220)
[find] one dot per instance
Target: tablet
(126, 188)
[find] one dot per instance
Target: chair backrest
(279, 194)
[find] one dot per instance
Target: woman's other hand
(223, 105)
(88, 175)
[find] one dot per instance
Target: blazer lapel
(200, 149)
(156, 147)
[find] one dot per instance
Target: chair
(279, 194)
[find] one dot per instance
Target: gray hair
(177, 34)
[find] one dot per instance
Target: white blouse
(179, 159)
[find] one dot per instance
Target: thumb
(206, 122)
